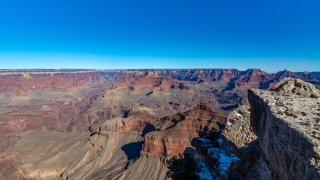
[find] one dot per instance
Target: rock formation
(286, 121)
(238, 128)
(125, 124)
(173, 140)
(296, 86)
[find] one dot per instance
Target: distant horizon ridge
(137, 69)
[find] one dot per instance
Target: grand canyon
(159, 124)
(159, 90)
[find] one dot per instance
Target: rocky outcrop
(159, 143)
(286, 121)
(296, 86)
(173, 140)
(238, 129)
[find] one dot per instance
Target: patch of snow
(229, 123)
(224, 155)
(239, 115)
(220, 141)
(204, 140)
(225, 161)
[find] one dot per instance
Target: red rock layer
(174, 140)
(42, 112)
(125, 126)
(253, 78)
(20, 85)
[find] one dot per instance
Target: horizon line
(137, 69)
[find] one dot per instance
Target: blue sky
(268, 34)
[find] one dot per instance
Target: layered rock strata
(173, 140)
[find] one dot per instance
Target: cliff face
(160, 144)
(288, 129)
(173, 140)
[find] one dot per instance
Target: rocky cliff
(286, 121)
(173, 140)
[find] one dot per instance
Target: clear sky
(268, 34)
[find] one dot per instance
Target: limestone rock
(238, 129)
(298, 87)
(287, 125)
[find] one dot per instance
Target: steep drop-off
(287, 125)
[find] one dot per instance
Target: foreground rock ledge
(288, 129)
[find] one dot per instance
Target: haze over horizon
(269, 35)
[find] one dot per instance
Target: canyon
(128, 124)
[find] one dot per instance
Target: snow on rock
(238, 114)
(213, 160)
(224, 156)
